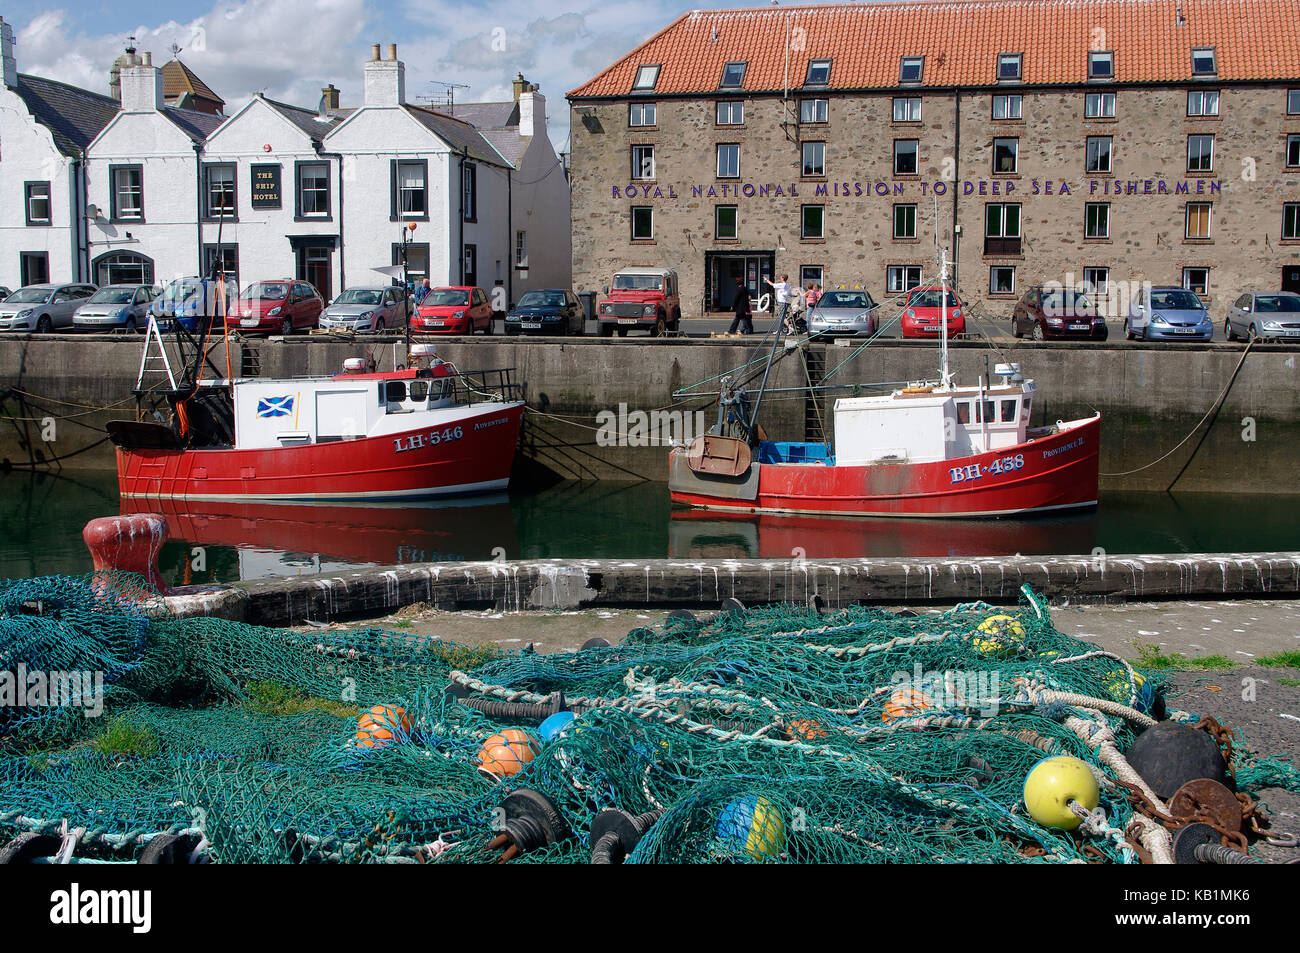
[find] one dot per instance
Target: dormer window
(911, 69)
(1009, 67)
(819, 73)
(646, 77)
(1101, 64)
(733, 75)
(1203, 62)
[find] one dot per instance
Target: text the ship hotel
(1100, 140)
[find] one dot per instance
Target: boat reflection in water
(260, 540)
(704, 534)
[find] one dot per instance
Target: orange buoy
(806, 729)
(381, 724)
(507, 752)
(906, 703)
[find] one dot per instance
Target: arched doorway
(122, 268)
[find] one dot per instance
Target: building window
(1002, 280)
(219, 190)
(646, 76)
(1101, 65)
(819, 73)
(1198, 220)
(1009, 66)
(33, 267)
(814, 159)
(728, 160)
(469, 189)
(228, 263)
(37, 196)
(643, 162)
(410, 189)
(1293, 151)
(733, 75)
(1203, 63)
(1096, 220)
(907, 109)
(726, 222)
(128, 193)
(1002, 228)
(417, 260)
(641, 114)
(1196, 279)
(911, 69)
(1098, 154)
(1006, 107)
(1293, 102)
(905, 156)
(1005, 155)
(813, 221)
(1203, 102)
(731, 113)
(1291, 221)
(1200, 153)
(810, 275)
(521, 248)
(643, 223)
(813, 110)
(313, 190)
(123, 268)
(1098, 105)
(900, 279)
(1096, 280)
(904, 221)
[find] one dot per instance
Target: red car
(453, 310)
(923, 314)
(284, 305)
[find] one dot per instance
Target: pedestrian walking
(813, 295)
(744, 320)
(422, 291)
(781, 297)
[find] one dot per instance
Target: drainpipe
(338, 158)
(510, 238)
(956, 157)
(75, 205)
(198, 206)
(460, 185)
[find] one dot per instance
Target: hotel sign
(265, 192)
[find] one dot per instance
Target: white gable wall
(541, 207)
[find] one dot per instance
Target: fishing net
(773, 734)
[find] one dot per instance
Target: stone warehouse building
(1106, 141)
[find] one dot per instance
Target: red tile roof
(961, 40)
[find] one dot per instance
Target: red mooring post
(128, 543)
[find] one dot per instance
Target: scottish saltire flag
(275, 406)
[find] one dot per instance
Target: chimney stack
(331, 96)
(7, 55)
(374, 52)
(142, 87)
(385, 80)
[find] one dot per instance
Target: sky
(289, 49)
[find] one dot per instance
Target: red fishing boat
(930, 449)
(416, 433)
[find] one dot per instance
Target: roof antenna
(176, 50)
(1179, 19)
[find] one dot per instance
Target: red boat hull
(395, 466)
(1051, 473)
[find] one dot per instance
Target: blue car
(1168, 314)
(192, 302)
(547, 311)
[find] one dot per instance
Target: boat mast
(945, 375)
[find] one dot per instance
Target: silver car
(369, 309)
(116, 307)
(1260, 314)
(843, 312)
(43, 308)
(1168, 314)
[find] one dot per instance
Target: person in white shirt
(795, 323)
(782, 291)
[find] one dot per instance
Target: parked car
(283, 304)
(923, 313)
(457, 309)
(1260, 314)
(843, 312)
(547, 311)
(192, 302)
(647, 298)
(116, 307)
(1168, 314)
(1055, 312)
(43, 308)
(368, 309)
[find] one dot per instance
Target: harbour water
(41, 518)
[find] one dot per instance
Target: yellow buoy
(1002, 632)
(1053, 784)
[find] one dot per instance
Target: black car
(547, 311)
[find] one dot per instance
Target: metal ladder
(157, 365)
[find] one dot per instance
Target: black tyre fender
(25, 847)
(169, 849)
